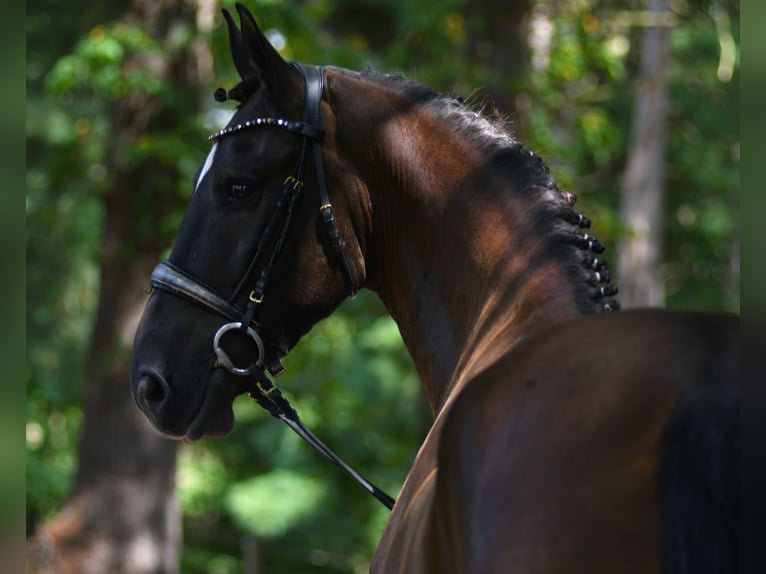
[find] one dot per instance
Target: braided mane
(552, 209)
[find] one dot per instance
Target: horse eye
(240, 190)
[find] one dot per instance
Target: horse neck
(453, 255)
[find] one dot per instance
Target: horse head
(259, 257)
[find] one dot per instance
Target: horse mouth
(171, 418)
(215, 416)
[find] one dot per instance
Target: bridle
(168, 276)
(171, 278)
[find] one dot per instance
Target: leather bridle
(171, 278)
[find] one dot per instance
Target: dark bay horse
(565, 438)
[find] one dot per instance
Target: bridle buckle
(255, 298)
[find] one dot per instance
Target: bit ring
(223, 358)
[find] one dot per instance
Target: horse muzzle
(173, 417)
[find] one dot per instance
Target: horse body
(550, 448)
(549, 459)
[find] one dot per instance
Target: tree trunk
(642, 198)
(122, 515)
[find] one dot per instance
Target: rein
(170, 278)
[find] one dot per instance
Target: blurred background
(634, 105)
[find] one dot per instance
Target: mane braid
(562, 229)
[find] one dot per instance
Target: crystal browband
(300, 128)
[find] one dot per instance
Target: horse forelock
(240, 92)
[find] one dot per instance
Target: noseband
(170, 278)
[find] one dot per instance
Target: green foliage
(577, 116)
(350, 378)
(271, 504)
(68, 142)
(575, 99)
(95, 64)
(51, 461)
(703, 176)
(64, 216)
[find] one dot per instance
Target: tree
(122, 515)
(643, 191)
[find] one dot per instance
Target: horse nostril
(153, 396)
(151, 391)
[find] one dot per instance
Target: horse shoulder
(549, 460)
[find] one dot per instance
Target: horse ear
(238, 54)
(254, 55)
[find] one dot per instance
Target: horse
(567, 436)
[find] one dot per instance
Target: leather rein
(170, 278)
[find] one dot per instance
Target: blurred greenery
(12, 341)
(350, 378)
